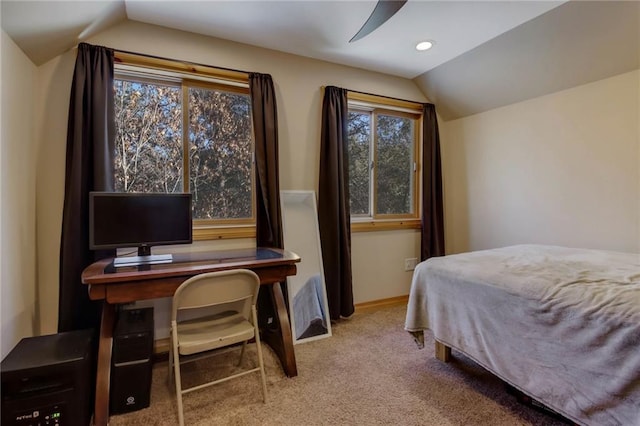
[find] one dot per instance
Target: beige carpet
(369, 372)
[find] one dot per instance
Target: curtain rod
(386, 97)
(177, 60)
(382, 96)
(196, 64)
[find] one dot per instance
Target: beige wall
(378, 257)
(17, 197)
(51, 108)
(560, 169)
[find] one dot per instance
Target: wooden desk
(133, 283)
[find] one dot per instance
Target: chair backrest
(238, 287)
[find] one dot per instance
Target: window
(383, 144)
(175, 133)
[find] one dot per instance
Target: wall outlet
(410, 264)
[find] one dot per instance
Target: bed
(561, 325)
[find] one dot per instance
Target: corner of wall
(17, 196)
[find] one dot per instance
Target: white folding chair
(232, 295)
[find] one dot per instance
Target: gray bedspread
(560, 324)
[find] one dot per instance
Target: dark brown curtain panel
(432, 203)
(269, 215)
(89, 167)
(333, 203)
(265, 126)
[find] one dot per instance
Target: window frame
(373, 104)
(129, 66)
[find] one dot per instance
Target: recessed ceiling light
(424, 45)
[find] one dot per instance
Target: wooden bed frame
(443, 352)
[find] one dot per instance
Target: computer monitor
(139, 220)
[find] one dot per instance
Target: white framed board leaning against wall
(307, 292)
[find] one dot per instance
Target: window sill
(235, 232)
(223, 233)
(386, 225)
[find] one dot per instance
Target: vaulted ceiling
(486, 53)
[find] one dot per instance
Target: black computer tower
(131, 361)
(49, 380)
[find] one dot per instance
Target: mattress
(560, 324)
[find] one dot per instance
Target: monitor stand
(144, 257)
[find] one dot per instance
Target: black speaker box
(131, 361)
(49, 380)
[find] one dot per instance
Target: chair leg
(176, 368)
(260, 360)
(244, 347)
(170, 372)
(262, 375)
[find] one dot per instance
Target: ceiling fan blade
(384, 10)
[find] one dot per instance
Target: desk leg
(281, 340)
(101, 413)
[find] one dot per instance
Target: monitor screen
(119, 219)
